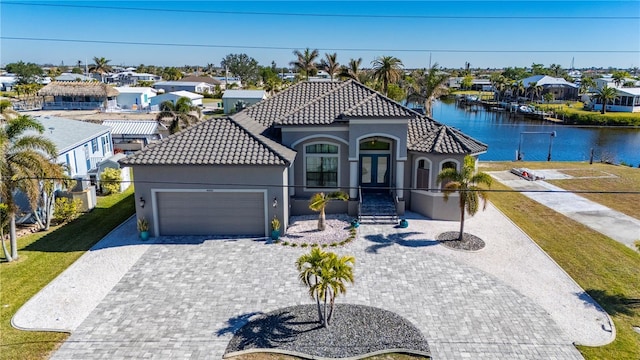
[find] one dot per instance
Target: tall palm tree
(605, 96)
(517, 87)
(305, 62)
(428, 86)
(181, 114)
(466, 184)
(534, 89)
(330, 64)
(325, 274)
(619, 76)
(387, 69)
(319, 201)
(23, 158)
(555, 69)
(499, 83)
(100, 66)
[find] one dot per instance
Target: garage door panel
(211, 213)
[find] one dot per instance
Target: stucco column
(353, 179)
(292, 188)
(400, 179)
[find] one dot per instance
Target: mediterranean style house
(231, 176)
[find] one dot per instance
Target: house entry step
(378, 208)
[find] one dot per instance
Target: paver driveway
(186, 295)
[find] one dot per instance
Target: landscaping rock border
(469, 242)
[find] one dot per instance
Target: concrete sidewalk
(614, 224)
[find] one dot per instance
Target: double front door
(374, 172)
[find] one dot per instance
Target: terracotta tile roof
(214, 142)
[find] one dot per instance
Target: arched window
(449, 165)
(321, 165)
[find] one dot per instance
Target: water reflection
(503, 132)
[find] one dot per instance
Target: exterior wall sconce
(275, 202)
(142, 202)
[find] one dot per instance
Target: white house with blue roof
(81, 145)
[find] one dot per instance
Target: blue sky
(486, 34)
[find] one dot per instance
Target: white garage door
(211, 213)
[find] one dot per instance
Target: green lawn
(606, 269)
(43, 256)
(575, 114)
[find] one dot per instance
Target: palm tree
(24, 158)
(555, 69)
(605, 95)
(499, 84)
(586, 83)
(330, 64)
(319, 202)
(466, 184)
(305, 62)
(619, 76)
(180, 113)
(325, 274)
(535, 90)
(353, 70)
(6, 111)
(517, 87)
(100, 66)
(427, 87)
(387, 69)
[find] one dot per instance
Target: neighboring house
(130, 78)
(133, 135)
(559, 87)
(78, 96)
(227, 81)
(609, 82)
(236, 100)
(113, 163)
(68, 77)
(628, 100)
(205, 79)
(191, 86)
(231, 176)
(196, 99)
(7, 81)
(81, 145)
(455, 82)
(135, 98)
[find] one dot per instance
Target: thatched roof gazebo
(78, 95)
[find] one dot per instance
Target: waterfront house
(559, 87)
(78, 95)
(236, 100)
(69, 77)
(627, 100)
(232, 175)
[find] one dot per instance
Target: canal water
(504, 134)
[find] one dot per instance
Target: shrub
(110, 180)
(66, 210)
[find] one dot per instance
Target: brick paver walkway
(185, 297)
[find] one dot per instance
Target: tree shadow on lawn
(383, 241)
(612, 303)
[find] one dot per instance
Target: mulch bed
(469, 242)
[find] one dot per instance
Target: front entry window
(374, 171)
(321, 168)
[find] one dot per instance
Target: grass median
(606, 269)
(43, 256)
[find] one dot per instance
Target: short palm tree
(466, 184)
(387, 69)
(517, 88)
(586, 84)
(180, 113)
(605, 96)
(24, 157)
(619, 77)
(6, 111)
(535, 90)
(330, 64)
(325, 274)
(319, 202)
(305, 62)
